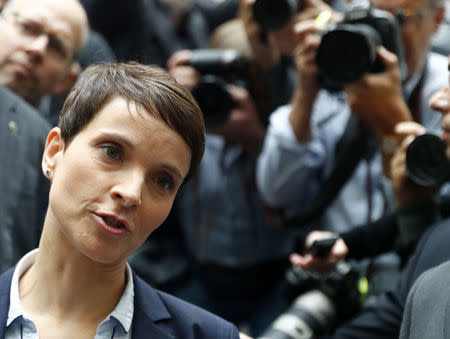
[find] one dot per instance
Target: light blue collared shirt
(117, 325)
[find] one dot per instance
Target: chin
(104, 255)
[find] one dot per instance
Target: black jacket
(23, 187)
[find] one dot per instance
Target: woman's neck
(65, 284)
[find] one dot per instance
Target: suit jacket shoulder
(427, 307)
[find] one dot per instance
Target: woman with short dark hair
(128, 137)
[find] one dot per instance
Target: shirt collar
(123, 312)
(15, 305)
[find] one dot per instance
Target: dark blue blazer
(23, 187)
(157, 315)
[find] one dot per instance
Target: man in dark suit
(36, 58)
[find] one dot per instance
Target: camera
(218, 67)
(274, 14)
(348, 48)
(321, 303)
(426, 161)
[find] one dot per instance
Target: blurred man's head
(419, 20)
(39, 40)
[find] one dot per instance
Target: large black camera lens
(348, 49)
(427, 162)
(346, 53)
(274, 14)
(214, 100)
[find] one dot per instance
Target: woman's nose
(129, 190)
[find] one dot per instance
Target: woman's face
(115, 182)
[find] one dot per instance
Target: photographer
(273, 48)
(300, 144)
(416, 209)
(382, 318)
(239, 260)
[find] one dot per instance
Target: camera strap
(351, 148)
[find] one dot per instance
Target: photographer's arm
(308, 78)
(360, 242)
(292, 160)
(378, 98)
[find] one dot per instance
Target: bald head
(40, 39)
(70, 11)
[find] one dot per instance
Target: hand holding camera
(178, 67)
(320, 263)
(243, 125)
(308, 40)
(378, 99)
(419, 165)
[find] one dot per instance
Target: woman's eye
(165, 182)
(112, 151)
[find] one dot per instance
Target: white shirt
(117, 325)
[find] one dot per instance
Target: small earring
(47, 172)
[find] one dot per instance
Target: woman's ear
(54, 148)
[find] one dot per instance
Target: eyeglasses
(410, 16)
(32, 29)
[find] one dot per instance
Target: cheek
(154, 215)
(75, 183)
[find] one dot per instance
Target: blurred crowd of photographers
(325, 166)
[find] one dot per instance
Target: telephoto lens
(426, 161)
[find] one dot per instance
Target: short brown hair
(149, 87)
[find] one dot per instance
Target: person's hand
(308, 40)
(244, 125)
(320, 265)
(308, 74)
(406, 191)
(378, 98)
(285, 38)
(265, 54)
(177, 66)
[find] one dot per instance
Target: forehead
(61, 17)
(142, 129)
(389, 4)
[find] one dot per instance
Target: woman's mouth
(112, 224)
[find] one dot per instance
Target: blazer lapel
(148, 310)
(5, 286)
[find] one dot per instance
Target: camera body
(274, 14)
(348, 48)
(320, 303)
(218, 67)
